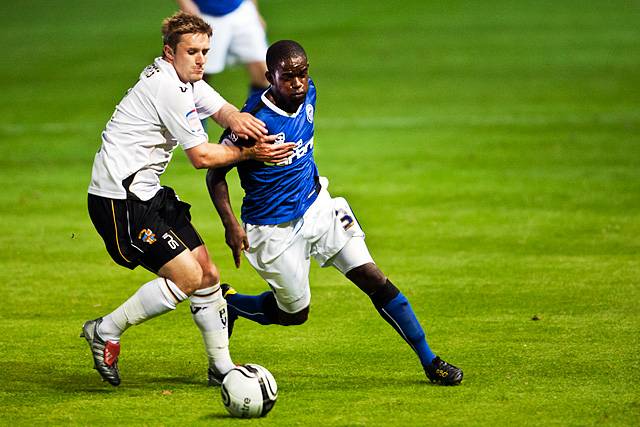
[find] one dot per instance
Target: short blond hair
(182, 23)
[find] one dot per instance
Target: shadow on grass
(354, 381)
(21, 377)
(168, 380)
(26, 376)
(210, 417)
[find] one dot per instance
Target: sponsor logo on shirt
(229, 138)
(194, 121)
(299, 152)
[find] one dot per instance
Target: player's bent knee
(210, 276)
(186, 273)
(190, 282)
(368, 277)
(384, 294)
(290, 319)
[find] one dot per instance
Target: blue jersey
(218, 7)
(279, 193)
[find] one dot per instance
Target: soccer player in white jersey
(144, 223)
(289, 216)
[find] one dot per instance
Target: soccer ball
(249, 391)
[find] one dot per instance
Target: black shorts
(147, 233)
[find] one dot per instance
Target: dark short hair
(182, 23)
(281, 50)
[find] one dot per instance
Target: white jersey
(156, 115)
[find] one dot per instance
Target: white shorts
(281, 253)
(237, 37)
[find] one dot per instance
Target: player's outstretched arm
(235, 235)
(207, 155)
(244, 125)
(215, 155)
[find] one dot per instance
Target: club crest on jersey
(147, 236)
(280, 138)
(309, 110)
(150, 70)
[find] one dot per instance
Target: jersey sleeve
(178, 113)
(312, 93)
(230, 139)
(207, 100)
(253, 107)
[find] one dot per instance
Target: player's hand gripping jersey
(279, 193)
(159, 113)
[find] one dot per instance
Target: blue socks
(260, 308)
(399, 314)
(395, 309)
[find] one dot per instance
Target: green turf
(490, 150)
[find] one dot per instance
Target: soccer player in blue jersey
(289, 216)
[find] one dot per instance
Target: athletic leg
(178, 257)
(263, 309)
(209, 312)
(281, 256)
(178, 278)
(257, 80)
(394, 308)
(126, 228)
(249, 45)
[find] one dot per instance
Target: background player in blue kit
(289, 216)
(238, 36)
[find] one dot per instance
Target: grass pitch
(490, 150)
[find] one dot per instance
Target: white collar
(277, 109)
(168, 66)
